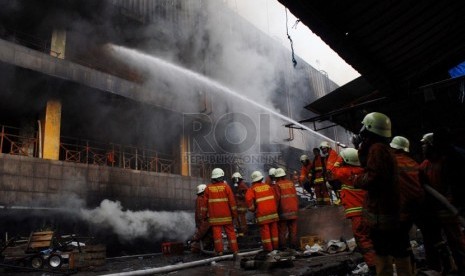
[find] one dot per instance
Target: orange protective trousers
(218, 238)
(288, 232)
(361, 230)
(269, 235)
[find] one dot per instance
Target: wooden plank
(94, 248)
(42, 238)
(39, 244)
(42, 233)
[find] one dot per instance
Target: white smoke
(129, 225)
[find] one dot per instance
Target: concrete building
(104, 99)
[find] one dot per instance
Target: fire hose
(445, 202)
(175, 267)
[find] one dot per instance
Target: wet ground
(336, 264)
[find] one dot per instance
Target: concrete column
(184, 145)
(51, 124)
(58, 45)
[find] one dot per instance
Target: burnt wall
(27, 181)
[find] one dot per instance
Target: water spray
(201, 79)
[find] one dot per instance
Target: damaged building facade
(136, 101)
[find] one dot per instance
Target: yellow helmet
(377, 123)
(280, 172)
(400, 142)
(256, 176)
(350, 156)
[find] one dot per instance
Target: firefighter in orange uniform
(287, 210)
(306, 174)
(240, 189)
(270, 179)
(332, 159)
(352, 201)
(319, 179)
(201, 219)
(381, 207)
(442, 170)
(222, 211)
(261, 199)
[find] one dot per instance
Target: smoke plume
(130, 225)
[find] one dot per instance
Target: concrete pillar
(184, 145)
(58, 44)
(51, 124)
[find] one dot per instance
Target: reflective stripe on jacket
(221, 204)
(200, 210)
(288, 202)
(261, 199)
(351, 198)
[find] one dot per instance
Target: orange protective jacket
(332, 158)
(380, 180)
(260, 199)
(287, 197)
(318, 170)
(351, 197)
(239, 193)
(411, 193)
(201, 205)
(222, 207)
(304, 171)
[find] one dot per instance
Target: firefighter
(261, 200)
(332, 159)
(318, 179)
(382, 202)
(270, 179)
(352, 201)
(306, 175)
(222, 211)
(411, 192)
(441, 171)
(288, 207)
(202, 227)
(240, 188)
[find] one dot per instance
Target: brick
(27, 169)
(10, 182)
(55, 171)
(41, 169)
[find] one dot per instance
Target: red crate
(172, 248)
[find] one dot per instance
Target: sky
(270, 17)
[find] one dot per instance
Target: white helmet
(256, 176)
(377, 123)
(217, 173)
(303, 157)
(399, 142)
(280, 172)
(236, 175)
(201, 188)
(324, 144)
(428, 138)
(272, 172)
(350, 156)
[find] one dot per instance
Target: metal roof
(399, 47)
